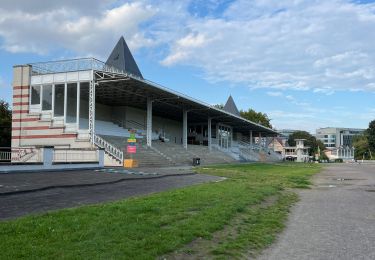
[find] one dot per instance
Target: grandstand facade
(86, 103)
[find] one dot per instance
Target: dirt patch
(202, 248)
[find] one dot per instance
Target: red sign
(131, 149)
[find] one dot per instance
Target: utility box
(196, 161)
(130, 163)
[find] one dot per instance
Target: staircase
(109, 148)
(253, 152)
(146, 156)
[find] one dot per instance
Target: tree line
(365, 144)
(5, 124)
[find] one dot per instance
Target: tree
(257, 117)
(314, 144)
(5, 124)
(219, 106)
(362, 148)
(371, 135)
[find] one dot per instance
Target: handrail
(109, 148)
(19, 154)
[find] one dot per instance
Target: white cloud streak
(317, 45)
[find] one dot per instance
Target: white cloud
(69, 26)
(324, 46)
(274, 93)
(321, 45)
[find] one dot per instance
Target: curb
(91, 184)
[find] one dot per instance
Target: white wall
(126, 114)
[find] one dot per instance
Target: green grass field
(237, 216)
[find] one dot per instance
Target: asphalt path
(333, 220)
(16, 205)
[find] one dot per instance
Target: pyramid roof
(231, 107)
(122, 59)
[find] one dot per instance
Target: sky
(306, 64)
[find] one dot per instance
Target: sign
(131, 149)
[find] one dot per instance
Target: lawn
(237, 216)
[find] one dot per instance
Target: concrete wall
(136, 118)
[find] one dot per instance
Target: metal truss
(92, 110)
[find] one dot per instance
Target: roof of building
(231, 107)
(120, 86)
(122, 59)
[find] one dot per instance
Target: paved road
(333, 220)
(16, 205)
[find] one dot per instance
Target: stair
(146, 157)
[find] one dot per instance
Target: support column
(91, 109)
(184, 128)
(260, 139)
(209, 124)
(149, 123)
(251, 137)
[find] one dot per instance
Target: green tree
(362, 148)
(314, 144)
(219, 106)
(5, 124)
(371, 135)
(257, 117)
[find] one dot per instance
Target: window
(84, 105)
(35, 95)
(59, 100)
(47, 97)
(71, 103)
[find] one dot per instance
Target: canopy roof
(119, 82)
(116, 89)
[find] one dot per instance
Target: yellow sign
(130, 163)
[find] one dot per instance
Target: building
(298, 153)
(334, 137)
(86, 103)
(285, 133)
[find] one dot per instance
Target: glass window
(59, 100)
(47, 97)
(84, 105)
(35, 95)
(71, 103)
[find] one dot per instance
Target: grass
(150, 226)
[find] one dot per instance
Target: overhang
(117, 89)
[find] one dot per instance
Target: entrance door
(225, 136)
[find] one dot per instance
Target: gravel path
(333, 220)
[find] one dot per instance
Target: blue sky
(307, 64)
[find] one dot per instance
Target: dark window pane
(35, 95)
(84, 105)
(59, 100)
(47, 97)
(71, 103)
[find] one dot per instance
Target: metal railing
(20, 155)
(109, 148)
(71, 155)
(246, 147)
(48, 67)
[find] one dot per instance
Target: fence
(20, 155)
(49, 158)
(70, 155)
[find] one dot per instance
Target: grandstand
(87, 103)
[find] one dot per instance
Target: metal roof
(118, 89)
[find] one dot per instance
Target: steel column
(184, 128)
(251, 137)
(209, 124)
(149, 123)
(91, 109)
